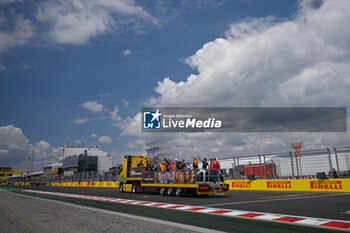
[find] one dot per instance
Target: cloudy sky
(74, 70)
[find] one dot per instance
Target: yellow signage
(110, 184)
(318, 185)
(52, 170)
(16, 171)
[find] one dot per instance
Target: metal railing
(326, 163)
(183, 176)
(332, 163)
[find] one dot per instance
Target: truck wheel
(162, 191)
(133, 189)
(178, 192)
(170, 191)
(121, 188)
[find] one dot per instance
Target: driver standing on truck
(195, 162)
(214, 170)
(204, 163)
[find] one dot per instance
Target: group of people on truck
(181, 171)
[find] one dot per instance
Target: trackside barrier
(308, 185)
(104, 184)
(16, 184)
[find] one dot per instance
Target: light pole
(32, 166)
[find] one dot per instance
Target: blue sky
(64, 67)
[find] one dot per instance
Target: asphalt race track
(317, 205)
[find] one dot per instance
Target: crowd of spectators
(169, 166)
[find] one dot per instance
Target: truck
(133, 177)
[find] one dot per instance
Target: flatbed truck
(133, 177)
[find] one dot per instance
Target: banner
(148, 177)
(313, 185)
(16, 171)
(106, 184)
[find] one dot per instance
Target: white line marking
(157, 221)
(277, 199)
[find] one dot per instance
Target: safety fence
(93, 178)
(79, 177)
(90, 176)
(307, 185)
(191, 176)
(106, 184)
(309, 164)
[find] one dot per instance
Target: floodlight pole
(32, 166)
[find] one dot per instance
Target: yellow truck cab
(130, 173)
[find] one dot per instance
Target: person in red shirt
(214, 170)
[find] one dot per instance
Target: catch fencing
(309, 164)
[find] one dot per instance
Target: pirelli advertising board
(331, 185)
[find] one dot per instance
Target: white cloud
(5, 2)
(93, 106)
(15, 149)
(263, 62)
(86, 120)
(12, 138)
(93, 135)
(69, 21)
(127, 52)
(130, 126)
(25, 65)
(136, 144)
(131, 145)
(45, 153)
(22, 30)
(2, 151)
(77, 21)
(114, 114)
(105, 139)
(125, 103)
(78, 142)
(81, 120)
(139, 142)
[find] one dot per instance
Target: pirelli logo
(326, 185)
(279, 184)
(241, 184)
